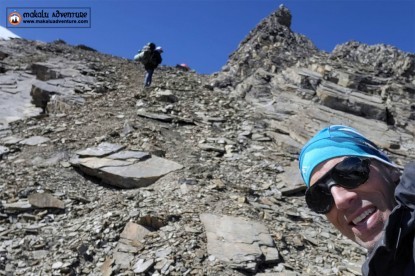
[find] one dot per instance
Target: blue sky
(203, 33)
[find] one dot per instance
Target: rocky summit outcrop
(271, 46)
(197, 175)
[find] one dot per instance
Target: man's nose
(343, 198)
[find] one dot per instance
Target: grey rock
(352, 102)
(4, 130)
(127, 128)
(99, 163)
(57, 158)
(16, 207)
(377, 57)
(10, 140)
(44, 71)
(284, 142)
(239, 242)
(142, 265)
(123, 259)
(3, 151)
(155, 116)
(166, 96)
(102, 149)
(42, 92)
(64, 103)
(3, 55)
(283, 16)
(125, 155)
(214, 119)
(292, 179)
(15, 103)
(212, 147)
(260, 137)
(34, 141)
(40, 254)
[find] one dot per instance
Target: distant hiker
(183, 67)
(150, 57)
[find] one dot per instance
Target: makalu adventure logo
(14, 18)
(48, 17)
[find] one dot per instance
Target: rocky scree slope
(236, 135)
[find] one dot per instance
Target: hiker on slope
(150, 57)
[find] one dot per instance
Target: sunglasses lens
(351, 172)
(319, 198)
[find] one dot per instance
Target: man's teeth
(363, 215)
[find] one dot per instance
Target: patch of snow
(5, 34)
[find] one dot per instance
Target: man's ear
(392, 174)
(395, 175)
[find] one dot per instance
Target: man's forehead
(321, 169)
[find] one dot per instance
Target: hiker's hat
(151, 45)
(159, 49)
(337, 141)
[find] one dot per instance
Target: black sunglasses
(349, 173)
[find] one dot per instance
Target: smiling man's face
(361, 213)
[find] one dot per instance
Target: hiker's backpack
(144, 55)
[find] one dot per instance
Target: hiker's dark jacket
(394, 253)
(154, 60)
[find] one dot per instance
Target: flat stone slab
(24, 95)
(99, 163)
(129, 154)
(155, 116)
(142, 265)
(134, 232)
(16, 207)
(15, 99)
(291, 177)
(124, 169)
(344, 99)
(34, 141)
(10, 140)
(139, 174)
(123, 259)
(102, 149)
(51, 89)
(241, 243)
(212, 147)
(130, 238)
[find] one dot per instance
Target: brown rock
(45, 200)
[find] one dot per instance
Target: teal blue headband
(336, 141)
